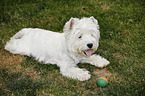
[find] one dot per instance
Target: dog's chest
(75, 58)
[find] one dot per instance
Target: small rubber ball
(102, 82)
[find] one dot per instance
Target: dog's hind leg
(16, 44)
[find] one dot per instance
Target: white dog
(79, 40)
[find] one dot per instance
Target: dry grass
(11, 62)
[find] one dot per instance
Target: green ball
(101, 82)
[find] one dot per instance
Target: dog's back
(36, 42)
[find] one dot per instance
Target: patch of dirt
(11, 61)
(14, 64)
(102, 72)
(113, 77)
(32, 73)
(105, 6)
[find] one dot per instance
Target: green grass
(122, 27)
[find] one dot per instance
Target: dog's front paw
(103, 63)
(76, 73)
(99, 61)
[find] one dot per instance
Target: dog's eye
(93, 35)
(80, 36)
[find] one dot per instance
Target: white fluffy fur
(64, 49)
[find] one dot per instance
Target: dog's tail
(20, 34)
(15, 45)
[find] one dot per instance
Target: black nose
(90, 45)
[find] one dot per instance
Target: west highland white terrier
(75, 45)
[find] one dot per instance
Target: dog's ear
(69, 25)
(95, 21)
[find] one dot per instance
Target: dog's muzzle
(89, 51)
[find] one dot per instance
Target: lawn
(122, 28)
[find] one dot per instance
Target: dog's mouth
(88, 52)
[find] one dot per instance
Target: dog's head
(82, 35)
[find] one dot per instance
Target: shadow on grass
(18, 83)
(30, 61)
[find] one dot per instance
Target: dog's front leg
(96, 60)
(68, 70)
